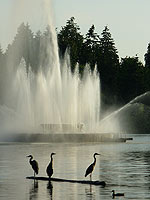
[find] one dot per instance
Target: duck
(116, 194)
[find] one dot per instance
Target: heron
(34, 165)
(91, 167)
(49, 169)
(116, 194)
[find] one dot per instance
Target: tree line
(121, 79)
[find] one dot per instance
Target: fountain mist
(52, 96)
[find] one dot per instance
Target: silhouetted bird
(116, 194)
(91, 167)
(34, 165)
(49, 169)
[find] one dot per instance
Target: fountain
(54, 100)
(131, 118)
(53, 104)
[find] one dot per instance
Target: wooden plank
(67, 180)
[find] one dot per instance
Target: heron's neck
(94, 159)
(51, 158)
(31, 159)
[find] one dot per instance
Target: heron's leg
(34, 179)
(90, 188)
(90, 177)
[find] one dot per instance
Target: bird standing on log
(91, 167)
(34, 165)
(49, 169)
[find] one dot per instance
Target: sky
(128, 20)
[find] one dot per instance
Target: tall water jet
(53, 97)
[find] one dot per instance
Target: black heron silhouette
(91, 167)
(49, 169)
(34, 165)
(116, 194)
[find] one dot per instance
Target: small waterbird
(91, 167)
(49, 169)
(116, 194)
(34, 165)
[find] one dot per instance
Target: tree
(28, 46)
(108, 63)
(22, 46)
(90, 47)
(131, 78)
(36, 54)
(71, 38)
(147, 57)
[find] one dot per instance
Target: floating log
(67, 180)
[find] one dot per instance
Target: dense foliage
(121, 80)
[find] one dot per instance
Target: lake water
(125, 167)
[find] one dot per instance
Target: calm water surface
(125, 167)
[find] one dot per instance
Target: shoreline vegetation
(64, 137)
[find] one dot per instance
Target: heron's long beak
(98, 154)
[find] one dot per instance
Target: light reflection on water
(125, 167)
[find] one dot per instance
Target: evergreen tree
(91, 47)
(28, 46)
(131, 78)
(71, 38)
(46, 45)
(108, 62)
(147, 57)
(36, 55)
(22, 46)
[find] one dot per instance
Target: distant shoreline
(63, 137)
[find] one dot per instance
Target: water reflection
(139, 167)
(33, 193)
(89, 193)
(50, 189)
(129, 172)
(124, 167)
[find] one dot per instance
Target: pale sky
(128, 20)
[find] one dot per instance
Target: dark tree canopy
(108, 62)
(147, 57)
(131, 78)
(91, 47)
(71, 38)
(120, 80)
